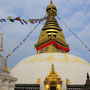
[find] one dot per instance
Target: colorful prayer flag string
(23, 21)
(74, 34)
(21, 43)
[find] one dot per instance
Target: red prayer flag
(39, 20)
(1, 20)
(18, 19)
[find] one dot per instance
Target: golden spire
(52, 68)
(51, 38)
(51, 9)
(51, 2)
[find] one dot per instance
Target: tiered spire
(51, 38)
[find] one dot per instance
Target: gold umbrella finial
(52, 67)
(51, 2)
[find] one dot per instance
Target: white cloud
(88, 2)
(4, 14)
(77, 19)
(77, 47)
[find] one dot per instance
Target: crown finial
(51, 2)
(52, 67)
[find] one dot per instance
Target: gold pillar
(47, 87)
(58, 87)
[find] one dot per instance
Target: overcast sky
(75, 13)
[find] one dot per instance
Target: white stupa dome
(38, 66)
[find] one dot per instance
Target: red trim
(55, 43)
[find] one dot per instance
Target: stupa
(51, 68)
(7, 82)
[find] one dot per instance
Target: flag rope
(24, 21)
(74, 34)
(21, 42)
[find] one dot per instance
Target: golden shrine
(53, 80)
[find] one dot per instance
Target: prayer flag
(24, 21)
(18, 19)
(1, 20)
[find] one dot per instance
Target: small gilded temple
(52, 68)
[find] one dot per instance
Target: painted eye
(41, 51)
(57, 49)
(46, 48)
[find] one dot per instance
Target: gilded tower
(51, 38)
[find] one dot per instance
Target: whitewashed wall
(7, 82)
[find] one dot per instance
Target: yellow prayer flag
(9, 18)
(27, 20)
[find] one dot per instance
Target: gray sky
(75, 13)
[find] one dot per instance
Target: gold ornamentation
(67, 81)
(53, 79)
(38, 81)
(6, 68)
